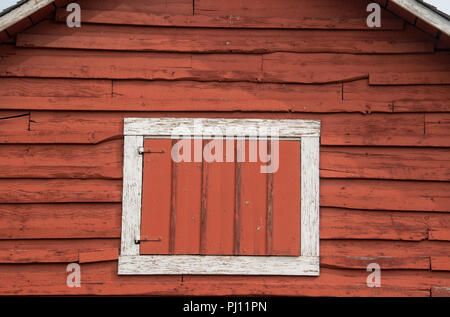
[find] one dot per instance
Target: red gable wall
(382, 96)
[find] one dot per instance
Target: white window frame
(132, 263)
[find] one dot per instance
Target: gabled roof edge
(425, 13)
(21, 11)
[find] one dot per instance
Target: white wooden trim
(131, 262)
(212, 264)
(310, 147)
(239, 127)
(131, 195)
(22, 12)
(425, 13)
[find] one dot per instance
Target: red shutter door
(222, 207)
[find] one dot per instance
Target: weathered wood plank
(102, 279)
(385, 163)
(440, 263)
(336, 129)
(251, 201)
(285, 196)
(439, 227)
(150, 19)
(13, 123)
(231, 96)
(54, 88)
(156, 187)
(320, 9)
(154, 6)
(245, 100)
(286, 14)
(390, 278)
(74, 244)
(440, 291)
(220, 127)
(385, 262)
(208, 40)
(89, 256)
(218, 225)
(319, 68)
(417, 98)
(178, 96)
(59, 221)
(20, 62)
(276, 67)
(17, 256)
(298, 289)
(310, 196)
(131, 195)
(59, 190)
(352, 253)
(391, 248)
(437, 125)
(186, 200)
(98, 255)
(218, 265)
(410, 78)
(75, 221)
(105, 160)
(8, 114)
(385, 195)
(358, 224)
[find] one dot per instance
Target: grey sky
(442, 5)
(6, 3)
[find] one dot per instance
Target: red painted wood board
(218, 232)
(391, 69)
(101, 278)
(344, 193)
(186, 206)
(285, 202)
(98, 255)
(75, 221)
(49, 34)
(104, 160)
(350, 129)
(324, 14)
(156, 197)
(226, 21)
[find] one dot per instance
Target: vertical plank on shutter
(156, 198)
(186, 201)
(285, 199)
(252, 205)
(218, 190)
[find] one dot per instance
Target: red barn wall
(382, 96)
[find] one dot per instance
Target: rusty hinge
(141, 151)
(148, 239)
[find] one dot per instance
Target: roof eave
(21, 12)
(426, 14)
